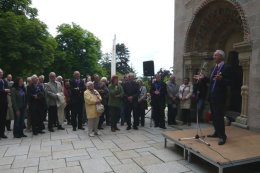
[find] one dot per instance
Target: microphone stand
(197, 137)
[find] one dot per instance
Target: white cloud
(144, 26)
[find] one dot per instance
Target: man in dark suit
(158, 95)
(131, 92)
(219, 80)
(77, 88)
(4, 90)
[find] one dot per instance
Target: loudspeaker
(148, 68)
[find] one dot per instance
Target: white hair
(221, 52)
(89, 83)
(34, 76)
(103, 79)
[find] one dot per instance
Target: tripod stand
(200, 138)
(197, 137)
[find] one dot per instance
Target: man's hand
(7, 90)
(157, 92)
(130, 99)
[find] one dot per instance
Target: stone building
(202, 26)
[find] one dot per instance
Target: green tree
(105, 62)
(26, 47)
(19, 7)
(78, 49)
(122, 59)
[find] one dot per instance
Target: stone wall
(184, 10)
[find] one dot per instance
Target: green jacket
(115, 95)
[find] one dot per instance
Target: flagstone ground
(134, 151)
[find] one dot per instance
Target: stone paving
(66, 151)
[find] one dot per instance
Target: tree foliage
(26, 47)
(78, 49)
(18, 7)
(122, 60)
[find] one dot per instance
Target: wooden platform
(242, 146)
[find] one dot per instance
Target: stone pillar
(244, 50)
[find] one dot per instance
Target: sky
(146, 27)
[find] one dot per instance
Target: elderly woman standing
(115, 101)
(19, 104)
(185, 92)
(92, 98)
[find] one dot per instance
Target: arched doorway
(218, 24)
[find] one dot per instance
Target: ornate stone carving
(234, 15)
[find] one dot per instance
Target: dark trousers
(141, 113)
(114, 116)
(19, 123)
(128, 110)
(67, 111)
(8, 124)
(3, 113)
(104, 117)
(36, 112)
(186, 116)
(107, 115)
(172, 113)
(76, 113)
(200, 107)
(52, 116)
(218, 113)
(158, 116)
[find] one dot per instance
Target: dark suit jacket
(158, 100)
(18, 101)
(3, 94)
(217, 93)
(77, 92)
(131, 88)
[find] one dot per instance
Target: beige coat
(90, 103)
(185, 92)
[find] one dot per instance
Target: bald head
(52, 76)
(1, 73)
(76, 74)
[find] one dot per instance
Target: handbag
(100, 108)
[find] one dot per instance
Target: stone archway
(219, 24)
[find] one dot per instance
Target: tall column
(242, 119)
(244, 50)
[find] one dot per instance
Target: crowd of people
(95, 101)
(75, 100)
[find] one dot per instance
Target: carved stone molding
(198, 23)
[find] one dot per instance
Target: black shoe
(35, 133)
(17, 136)
(81, 128)
(128, 128)
(3, 136)
(135, 128)
(221, 141)
(60, 128)
(163, 127)
(23, 135)
(113, 129)
(214, 135)
(74, 128)
(100, 128)
(117, 129)
(51, 130)
(41, 132)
